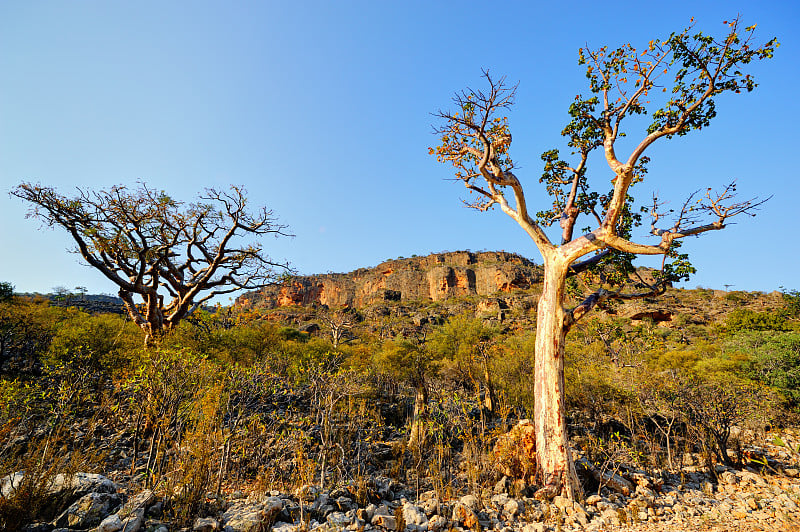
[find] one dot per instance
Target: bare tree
(339, 324)
(149, 244)
(684, 73)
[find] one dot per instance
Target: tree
(6, 291)
(411, 361)
(467, 343)
(684, 74)
(148, 243)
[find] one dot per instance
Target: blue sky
(321, 110)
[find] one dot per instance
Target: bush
(750, 320)
(105, 341)
(773, 358)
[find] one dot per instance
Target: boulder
(88, 511)
(515, 451)
(414, 516)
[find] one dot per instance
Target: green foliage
(713, 406)
(6, 291)
(26, 328)
(405, 361)
(99, 342)
(791, 303)
(513, 367)
(461, 343)
(772, 358)
(743, 319)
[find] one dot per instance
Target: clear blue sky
(322, 111)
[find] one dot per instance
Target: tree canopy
(151, 245)
(676, 82)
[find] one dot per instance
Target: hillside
(296, 409)
(435, 277)
(493, 285)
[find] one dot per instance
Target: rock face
(435, 277)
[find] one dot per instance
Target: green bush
(105, 341)
(750, 320)
(772, 358)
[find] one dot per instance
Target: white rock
(513, 507)
(134, 522)
(338, 520)
(437, 523)
(534, 527)
(283, 527)
(414, 515)
(112, 523)
(471, 502)
(386, 521)
(205, 524)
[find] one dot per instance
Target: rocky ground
(750, 499)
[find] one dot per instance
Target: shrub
(750, 320)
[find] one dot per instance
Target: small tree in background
(683, 74)
(6, 291)
(152, 246)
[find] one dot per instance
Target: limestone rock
(414, 515)
(205, 524)
(88, 511)
(112, 523)
(464, 515)
(386, 521)
(515, 451)
(251, 517)
(435, 277)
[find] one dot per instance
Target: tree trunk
(552, 442)
(490, 400)
(417, 434)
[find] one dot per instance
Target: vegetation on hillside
(240, 400)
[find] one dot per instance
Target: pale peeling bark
(476, 140)
(552, 440)
(417, 433)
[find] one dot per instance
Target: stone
(534, 527)
(38, 527)
(88, 511)
(471, 502)
(435, 277)
(112, 523)
(134, 520)
(142, 500)
(593, 499)
(283, 527)
(514, 507)
(382, 510)
(502, 485)
(413, 515)
(464, 515)
(562, 503)
(345, 503)
(75, 485)
(385, 521)
(205, 524)
(437, 523)
(242, 516)
(515, 451)
(338, 520)
(430, 506)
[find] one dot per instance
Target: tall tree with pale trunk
(675, 81)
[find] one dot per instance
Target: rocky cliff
(434, 277)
